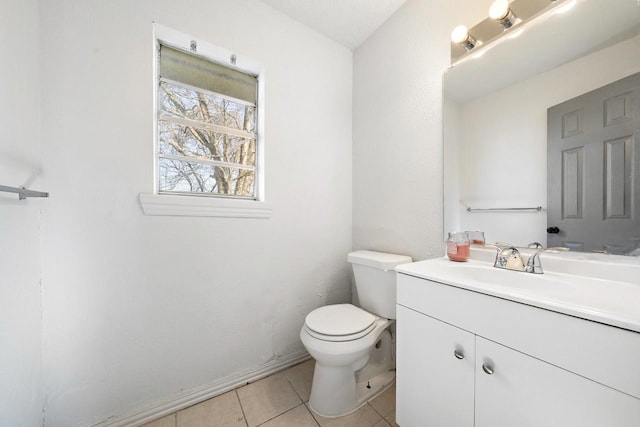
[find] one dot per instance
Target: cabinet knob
(459, 354)
(487, 368)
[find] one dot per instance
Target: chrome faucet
(509, 258)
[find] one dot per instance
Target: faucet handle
(533, 263)
(500, 260)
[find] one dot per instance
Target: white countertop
(612, 302)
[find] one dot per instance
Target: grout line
(244, 416)
(289, 410)
(312, 413)
(380, 395)
(375, 410)
(175, 419)
(276, 415)
(312, 416)
(380, 413)
(291, 384)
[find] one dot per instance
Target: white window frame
(193, 204)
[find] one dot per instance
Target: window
(209, 110)
(207, 137)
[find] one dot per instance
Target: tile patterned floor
(279, 400)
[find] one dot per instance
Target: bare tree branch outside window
(207, 142)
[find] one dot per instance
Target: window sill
(169, 205)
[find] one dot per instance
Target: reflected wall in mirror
(495, 112)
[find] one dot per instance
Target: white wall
(139, 308)
(502, 143)
(397, 130)
(20, 298)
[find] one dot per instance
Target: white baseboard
(200, 394)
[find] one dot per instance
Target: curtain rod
(22, 192)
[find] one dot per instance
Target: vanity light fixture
(460, 35)
(501, 12)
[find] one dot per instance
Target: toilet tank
(375, 280)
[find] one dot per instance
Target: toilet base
(369, 390)
(341, 390)
(365, 391)
(344, 369)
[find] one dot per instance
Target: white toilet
(353, 348)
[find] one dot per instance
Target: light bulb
(459, 34)
(499, 9)
(501, 12)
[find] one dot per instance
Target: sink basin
(606, 301)
(484, 273)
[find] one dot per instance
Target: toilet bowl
(353, 346)
(338, 357)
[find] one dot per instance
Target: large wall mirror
(496, 102)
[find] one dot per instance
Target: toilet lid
(340, 321)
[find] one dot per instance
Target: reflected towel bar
(537, 209)
(22, 192)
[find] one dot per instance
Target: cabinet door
(525, 392)
(434, 386)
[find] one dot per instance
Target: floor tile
(301, 377)
(168, 421)
(363, 417)
(391, 418)
(267, 398)
(276, 401)
(223, 410)
(381, 423)
(385, 402)
(297, 417)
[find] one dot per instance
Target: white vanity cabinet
(469, 359)
(523, 390)
(435, 368)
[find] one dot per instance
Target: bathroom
(106, 311)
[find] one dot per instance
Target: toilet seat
(339, 322)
